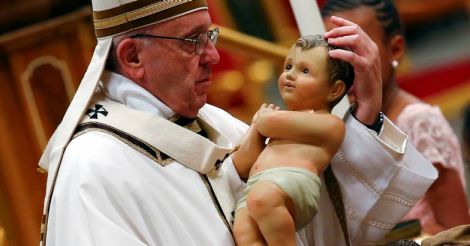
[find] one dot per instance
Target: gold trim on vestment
(193, 126)
(159, 160)
(138, 144)
(215, 201)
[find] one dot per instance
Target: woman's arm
(447, 199)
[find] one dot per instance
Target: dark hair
(337, 69)
(385, 10)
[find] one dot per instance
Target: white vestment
(108, 193)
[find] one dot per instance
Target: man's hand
(364, 57)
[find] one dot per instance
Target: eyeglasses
(200, 42)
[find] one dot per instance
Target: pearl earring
(395, 64)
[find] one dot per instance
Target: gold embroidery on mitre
(110, 22)
(138, 13)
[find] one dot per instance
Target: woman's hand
(363, 54)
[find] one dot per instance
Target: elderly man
(143, 160)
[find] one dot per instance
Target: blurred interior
(45, 47)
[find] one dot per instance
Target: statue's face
(303, 83)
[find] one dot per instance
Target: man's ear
(336, 91)
(130, 64)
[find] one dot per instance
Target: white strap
(52, 155)
(62, 135)
(191, 149)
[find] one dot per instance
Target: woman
(444, 205)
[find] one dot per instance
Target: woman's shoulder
(430, 133)
(421, 113)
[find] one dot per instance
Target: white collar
(127, 92)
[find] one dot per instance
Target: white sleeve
(381, 178)
(87, 203)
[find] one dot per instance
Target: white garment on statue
(108, 193)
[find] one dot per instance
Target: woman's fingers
(341, 31)
(343, 27)
(341, 21)
(345, 55)
(363, 54)
(345, 41)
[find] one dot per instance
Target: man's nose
(210, 54)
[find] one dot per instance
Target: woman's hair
(337, 69)
(385, 10)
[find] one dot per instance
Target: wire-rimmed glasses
(200, 42)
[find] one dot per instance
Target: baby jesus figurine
(283, 186)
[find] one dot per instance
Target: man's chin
(200, 101)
